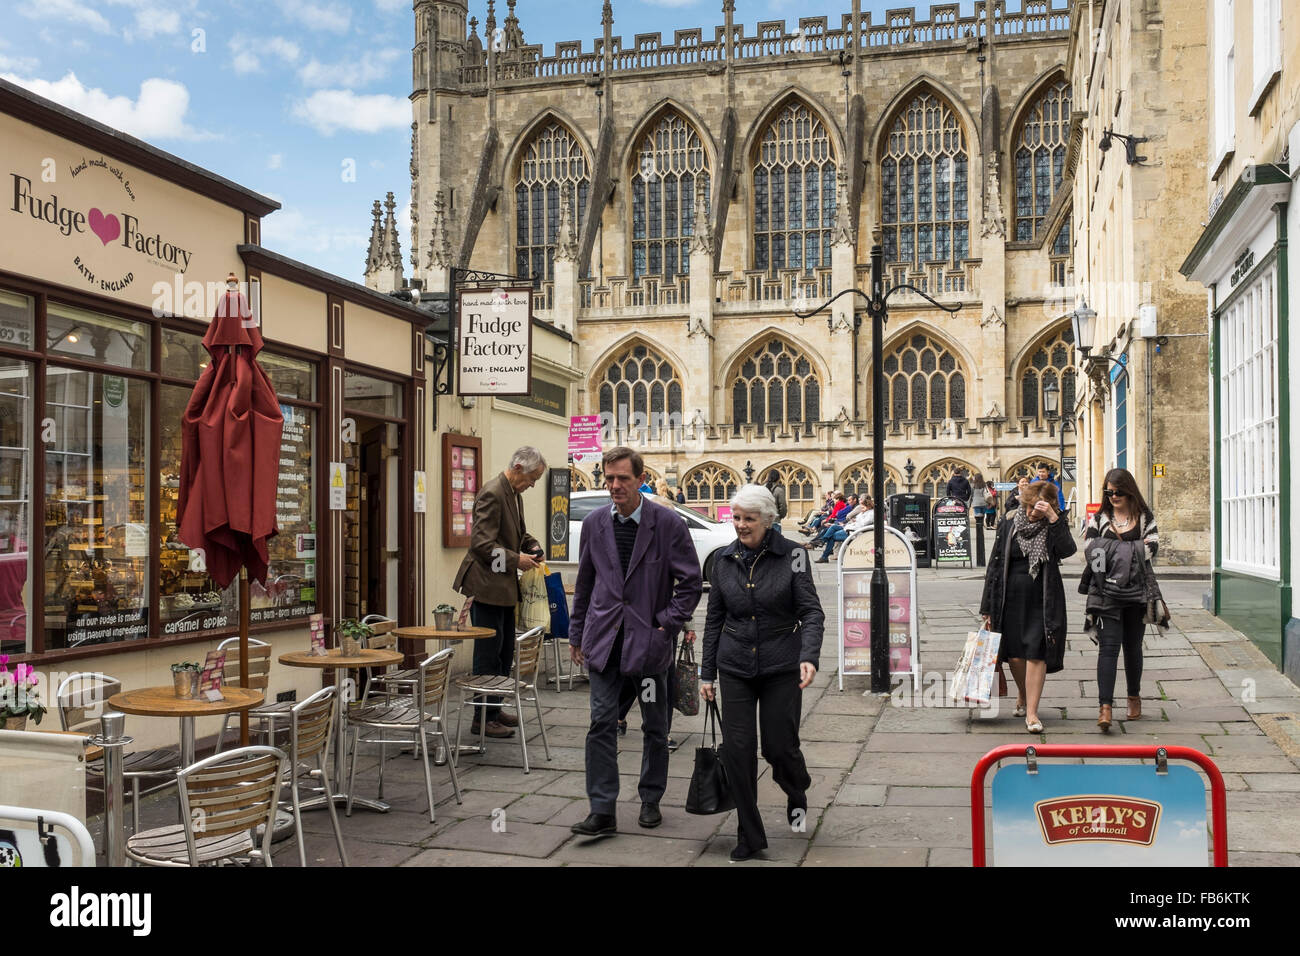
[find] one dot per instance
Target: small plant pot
(442, 619)
(185, 684)
(15, 723)
(350, 647)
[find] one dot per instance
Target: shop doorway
(371, 529)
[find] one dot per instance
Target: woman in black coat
(762, 639)
(1024, 597)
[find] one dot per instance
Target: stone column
(565, 309)
(698, 353)
(842, 387)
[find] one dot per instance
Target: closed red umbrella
(230, 459)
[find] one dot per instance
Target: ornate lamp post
(1052, 405)
(749, 472)
(878, 310)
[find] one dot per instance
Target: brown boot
(1103, 718)
(507, 719)
(1134, 708)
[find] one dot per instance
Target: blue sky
(286, 96)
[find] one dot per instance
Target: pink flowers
(24, 674)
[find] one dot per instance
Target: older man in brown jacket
(500, 546)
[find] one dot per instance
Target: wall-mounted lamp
(1130, 145)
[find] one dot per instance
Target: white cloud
(331, 17)
(63, 43)
(304, 237)
(369, 67)
(67, 11)
(158, 113)
(392, 6)
(331, 110)
(18, 64)
(275, 161)
(247, 52)
(153, 18)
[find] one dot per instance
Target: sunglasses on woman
(1110, 493)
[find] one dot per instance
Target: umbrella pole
(244, 613)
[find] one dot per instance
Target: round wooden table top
(163, 702)
(443, 634)
(335, 658)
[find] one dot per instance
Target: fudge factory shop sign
(86, 211)
(496, 341)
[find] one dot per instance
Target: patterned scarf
(1032, 537)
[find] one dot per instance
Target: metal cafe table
(447, 636)
(163, 702)
(335, 660)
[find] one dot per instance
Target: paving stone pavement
(890, 775)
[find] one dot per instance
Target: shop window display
(15, 502)
(290, 590)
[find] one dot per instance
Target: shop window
(17, 319)
(183, 356)
(97, 338)
(295, 379)
(96, 514)
(15, 503)
(371, 396)
(290, 590)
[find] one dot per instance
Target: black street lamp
(878, 310)
(1052, 405)
(749, 472)
(596, 473)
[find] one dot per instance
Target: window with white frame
(1248, 429)
(1225, 106)
(1266, 59)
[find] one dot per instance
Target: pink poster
(455, 456)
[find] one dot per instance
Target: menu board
(461, 479)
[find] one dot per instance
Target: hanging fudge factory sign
(84, 219)
(496, 341)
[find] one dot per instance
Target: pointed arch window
(934, 479)
(669, 164)
(709, 485)
(924, 182)
(800, 489)
(1040, 158)
(552, 164)
(1052, 361)
(923, 381)
(640, 389)
(857, 479)
(775, 385)
(794, 193)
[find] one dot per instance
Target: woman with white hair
(762, 643)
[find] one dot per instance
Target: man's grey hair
(527, 459)
(758, 499)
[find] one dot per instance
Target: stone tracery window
(924, 183)
(775, 385)
(857, 479)
(709, 485)
(794, 193)
(639, 389)
(934, 479)
(924, 381)
(1040, 157)
(1052, 361)
(670, 162)
(800, 488)
(1029, 468)
(552, 163)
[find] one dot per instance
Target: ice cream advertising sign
(1107, 819)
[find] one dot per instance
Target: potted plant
(185, 679)
(443, 615)
(352, 636)
(18, 695)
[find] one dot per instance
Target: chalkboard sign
(951, 532)
(910, 514)
(557, 515)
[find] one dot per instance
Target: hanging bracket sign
(495, 341)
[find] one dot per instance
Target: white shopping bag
(976, 672)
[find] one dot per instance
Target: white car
(709, 536)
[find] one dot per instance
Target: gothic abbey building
(680, 201)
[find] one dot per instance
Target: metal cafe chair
(414, 717)
(477, 690)
(391, 680)
(272, 717)
(224, 799)
(81, 699)
(310, 726)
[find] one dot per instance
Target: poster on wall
(495, 338)
(557, 515)
(338, 486)
(460, 483)
(585, 438)
(420, 504)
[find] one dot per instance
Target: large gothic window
(639, 389)
(1040, 158)
(709, 485)
(934, 479)
(924, 182)
(794, 193)
(800, 489)
(924, 381)
(1052, 362)
(775, 385)
(1029, 469)
(670, 163)
(857, 479)
(553, 163)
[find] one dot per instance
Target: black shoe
(799, 804)
(818, 561)
(743, 852)
(672, 745)
(622, 728)
(596, 824)
(650, 816)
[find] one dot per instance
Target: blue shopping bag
(559, 606)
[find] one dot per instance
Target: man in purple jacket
(638, 584)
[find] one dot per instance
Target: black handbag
(709, 792)
(687, 697)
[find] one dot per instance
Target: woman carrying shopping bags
(1120, 542)
(1024, 597)
(762, 643)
